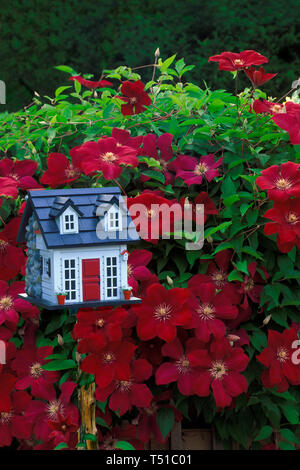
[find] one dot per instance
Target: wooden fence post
(87, 406)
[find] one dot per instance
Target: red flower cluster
(283, 187)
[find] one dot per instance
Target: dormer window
(69, 221)
(113, 220)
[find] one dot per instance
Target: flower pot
(61, 299)
(127, 294)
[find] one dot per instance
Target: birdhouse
(77, 247)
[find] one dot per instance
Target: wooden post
(87, 406)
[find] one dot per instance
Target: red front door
(90, 279)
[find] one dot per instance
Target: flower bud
(170, 281)
(60, 340)
(157, 53)
(267, 319)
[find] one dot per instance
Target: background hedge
(99, 34)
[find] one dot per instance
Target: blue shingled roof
(47, 204)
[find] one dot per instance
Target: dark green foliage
(104, 34)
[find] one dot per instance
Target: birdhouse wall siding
(84, 253)
(40, 244)
(48, 292)
(123, 263)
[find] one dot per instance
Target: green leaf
(124, 445)
(242, 266)
(59, 90)
(179, 66)
(220, 228)
(250, 251)
(101, 422)
(286, 446)
(259, 340)
(90, 437)
(289, 435)
(61, 445)
(235, 276)
(64, 68)
(264, 433)
(165, 420)
(155, 175)
(60, 365)
(291, 413)
(166, 64)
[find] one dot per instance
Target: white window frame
(69, 216)
(111, 287)
(113, 220)
(70, 265)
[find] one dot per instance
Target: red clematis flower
(161, 312)
(159, 148)
(290, 121)
(19, 172)
(98, 326)
(90, 83)
(12, 258)
(277, 357)
(15, 422)
(124, 394)
(10, 304)
(281, 182)
(40, 412)
(123, 137)
(192, 171)
(136, 98)
(258, 77)
(109, 363)
(209, 313)
(106, 155)
(217, 272)
(28, 366)
(60, 170)
(146, 211)
(221, 371)
(136, 268)
(267, 107)
(286, 222)
(182, 370)
(8, 188)
(232, 61)
(62, 427)
(7, 382)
